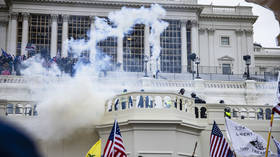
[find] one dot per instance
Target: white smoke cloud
(66, 104)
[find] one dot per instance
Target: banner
(244, 141)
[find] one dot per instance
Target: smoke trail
(122, 23)
(66, 104)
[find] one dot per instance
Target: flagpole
(269, 133)
(114, 136)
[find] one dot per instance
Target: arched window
(35, 113)
(116, 105)
(196, 112)
(28, 110)
(203, 113)
(243, 113)
(10, 109)
(260, 113)
(19, 109)
(267, 113)
(235, 112)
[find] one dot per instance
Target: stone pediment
(226, 58)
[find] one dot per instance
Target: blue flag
(4, 53)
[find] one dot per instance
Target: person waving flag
(114, 146)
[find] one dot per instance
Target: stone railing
(149, 100)
(247, 112)
(12, 79)
(172, 101)
(224, 84)
(165, 83)
(257, 112)
(23, 108)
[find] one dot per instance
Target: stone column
(184, 56)
(54, 35)
(194, 36)
(212, 59)
(147, 45)
(13, 34)
(25, 29)
(3, 35)
(64, 51)
(250, 49)
(239, 61)
(120, 52)
(92, 29)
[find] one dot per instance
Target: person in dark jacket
(15, 143)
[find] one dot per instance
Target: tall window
(133, 50)
(19, 34)
(109, 47)
(170, 59)
(78, 27)
(40, 32)
(59, 34)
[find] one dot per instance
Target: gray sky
(266, 27)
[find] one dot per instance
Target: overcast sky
(266, 27)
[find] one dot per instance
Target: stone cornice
(121, 3)
(241, 17)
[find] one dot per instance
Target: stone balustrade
(156, 82)
(224, 84)
(172, 101)
(149, 100)
(12, 79)
(23, 108)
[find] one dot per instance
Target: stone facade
(220, 35)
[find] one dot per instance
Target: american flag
(218, 144)
(277, 107)
(114, 146)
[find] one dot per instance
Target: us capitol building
(220, 35)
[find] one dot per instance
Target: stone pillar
(184, 56)
(13, 34)
(9, 34)
(239, 61)
(194, 36)
(64, 52)
(3, 105)
(250, 49)
(212, 59)
(92, 29)
(54, 35)
(215, 112)
(25, 29)
(120, 52)
(147, 52)
(3, 35)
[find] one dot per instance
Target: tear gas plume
(122, 23)
(65, 103)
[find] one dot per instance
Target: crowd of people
(13, 65)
